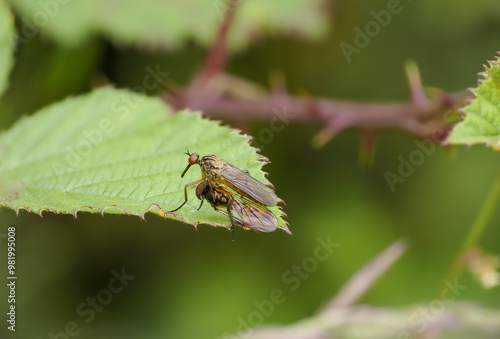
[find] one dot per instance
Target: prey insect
(226, 186)
(240, 210)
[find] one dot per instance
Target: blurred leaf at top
(482, 116)
(169, 23)
(7, 44)
(45, 75)
(114, 151)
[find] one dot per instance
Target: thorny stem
(426, 121)
(365, 278)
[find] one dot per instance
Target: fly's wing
(248, 185)
(253, 216)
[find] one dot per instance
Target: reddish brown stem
(218, 55)
(421, 121)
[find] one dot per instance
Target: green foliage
(482, 120)
(169, 23)
(7, 44)
(46, 75)
(114, 151)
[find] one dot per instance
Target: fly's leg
(231, 216)
(229, 206)
(202, 200)
(186, 194)
(229, 213)
(212, 188)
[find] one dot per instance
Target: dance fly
(244, 197)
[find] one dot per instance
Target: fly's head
(193, 159)
(202, 190)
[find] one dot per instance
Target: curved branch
(425, 120)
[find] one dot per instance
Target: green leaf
(7, 44)
(482, 116)
(170, 23)
(53, 82)
(115, 151)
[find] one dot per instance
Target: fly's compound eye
(201, 190)
(193, 158)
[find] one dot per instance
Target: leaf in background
(170, 23)
(114, 151)
(7, 44)
(482, 116)
(46, 75)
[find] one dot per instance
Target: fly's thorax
(208, 175)
(211, 162)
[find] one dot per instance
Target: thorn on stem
(326, 134)
(367, 147)
(417, 92)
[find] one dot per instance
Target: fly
(218, 172)
(224, 185)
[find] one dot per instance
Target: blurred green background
(200, 284)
